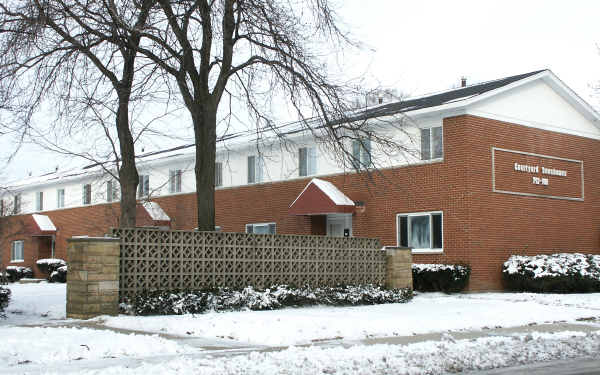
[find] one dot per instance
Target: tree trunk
(128, 175)
(205, 124)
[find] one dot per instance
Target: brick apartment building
(510, 166)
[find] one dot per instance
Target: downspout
(52, 247)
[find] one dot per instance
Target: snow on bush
(447, 278)
(558, 273)
(16, 273)
(224, 299)
(54, 268)
(4, 297)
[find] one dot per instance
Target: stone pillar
(93, 277)
(398, 267)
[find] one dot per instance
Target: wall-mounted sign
(529, 174)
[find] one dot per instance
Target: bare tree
(76, 56)
(253, 51)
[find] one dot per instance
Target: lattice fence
(166, 260)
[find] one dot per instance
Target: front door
(339, 224)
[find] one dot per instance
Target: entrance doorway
(339, 225)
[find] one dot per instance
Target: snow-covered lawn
(35, 303)
(429, 357)
(426, 313)
(20, 345)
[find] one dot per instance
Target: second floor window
(308, 161)
(87, 194)
(112, 191)
(218, 174)
(255, 169)
(60, 198)
(39, 201)
(361, 153)
(175, 181)
(17, 204)
(144, 186)
(432, 146)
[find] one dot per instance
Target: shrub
(447, 278)
(4, 297)
(58, 276)
(224, 299)
(556, 273)
(16, 273)
(51, 268)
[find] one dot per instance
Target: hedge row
(4, 298)
(224, 299)
(54, 268)
(16, 273)
(447, 278)
(556, 273)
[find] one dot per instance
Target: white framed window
(255, 169)
(87, 194)
(218, 174)
(17, 251)
(422, 231)
(144, 186)
(261, 228)
(307, 157)
(361, 153)
(17, 204)
(39, 201)
(112, 191)
(432, 143)
(175, 181)
(60, 198)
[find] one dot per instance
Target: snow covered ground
(63, 346)
(35, 303)
(430, 357)
(428, 312)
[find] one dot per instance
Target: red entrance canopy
(321, 197)
(40, 225)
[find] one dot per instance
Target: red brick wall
(481, 227)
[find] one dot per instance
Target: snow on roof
(44, 222)
(332, 192)
(155, 211)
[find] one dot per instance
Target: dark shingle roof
(437, 99)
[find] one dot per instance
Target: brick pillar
(93, 277)
(398, 267)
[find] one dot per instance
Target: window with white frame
(112, 191)
(307, 157)
(175, 181)
(361, 153)
(261, 228)
(421, 231)
(17, 252)
(218, 174)
(87, 194)
(60, 198)
(255, 169)
(144, 186)
(39, 201)
(432, 143)
(17, 204)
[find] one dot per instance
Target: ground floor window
(422, 231)
(262, 228)
(16, 251)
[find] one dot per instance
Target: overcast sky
(426, 46)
